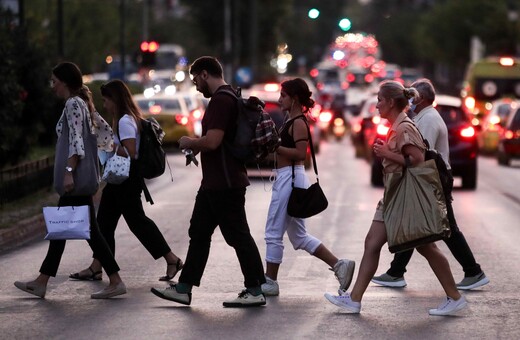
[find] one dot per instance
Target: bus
(487, 80)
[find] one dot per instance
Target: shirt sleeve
(74, 113)
(127, 128)
(104, 134)
(407, 135)
(221, 109)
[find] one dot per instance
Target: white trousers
(279, 222)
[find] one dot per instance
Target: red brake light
(382, 130)
(509, 134)
(325, 116)
(182, 120)
(467, 132)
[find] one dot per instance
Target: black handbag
(308, 202)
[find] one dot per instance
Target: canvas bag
(86, 173)
(414, 207)
(308, 202)
(67, 222)
(117, 168)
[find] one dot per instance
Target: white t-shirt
(434, 130)
(128, 129)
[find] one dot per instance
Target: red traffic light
(149, 46)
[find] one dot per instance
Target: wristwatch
(68, 168)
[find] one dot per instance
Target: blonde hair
(391, 89)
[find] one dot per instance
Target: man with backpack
(434, 130)
(220, 200)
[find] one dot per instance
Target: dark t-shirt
(220, 170)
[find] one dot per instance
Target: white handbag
(117, 168)
(67, 222)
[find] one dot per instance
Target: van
(487, 80)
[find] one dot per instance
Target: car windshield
(171, 105)
(451, 114)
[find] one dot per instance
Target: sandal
(178, 266)
(95, 276)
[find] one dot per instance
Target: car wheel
(503, 159)
(376, 176)
(469, 181)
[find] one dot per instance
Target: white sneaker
(270, 287)
(449, 307)
(344, 271)
(344, 301)
(246, 299)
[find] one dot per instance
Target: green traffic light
(345, 24)
(313, 13)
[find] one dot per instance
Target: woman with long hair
(125, 198)
(72, 152)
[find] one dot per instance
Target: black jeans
(456, 243)
(125, 199)
(97, 243)
(224, 208)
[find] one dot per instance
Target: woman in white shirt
(125, 198)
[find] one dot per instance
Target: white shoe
(246, 299)
(344, 301)
(344, 271)
(449, 307)
(109, 292)
(270, 287)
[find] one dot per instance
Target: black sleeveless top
(287, 139)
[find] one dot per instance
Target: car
(461, 136)
(493, 124)
(362, 125)
(172, 111)
(509, 142)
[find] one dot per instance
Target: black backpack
(152, 158)
(256, 134)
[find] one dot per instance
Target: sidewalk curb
(24, 231)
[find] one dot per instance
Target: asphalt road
(489, 218)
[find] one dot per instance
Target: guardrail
(24, 179)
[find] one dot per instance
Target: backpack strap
(311, 146)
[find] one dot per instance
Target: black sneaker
(172, 294)
(246, 299)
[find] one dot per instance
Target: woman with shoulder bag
(404, 142)
(76, 179)
(125, 198)
(295, 98)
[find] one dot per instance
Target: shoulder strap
(315, 166)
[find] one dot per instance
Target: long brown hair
(117, 91)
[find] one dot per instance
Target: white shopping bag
(67, 223)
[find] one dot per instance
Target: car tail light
(467, 132)
(155, 109)
(382, 130)
(196, 114)
(509, 134)
(507, 61)
(494, 120)
(325, 116)
(356, 127)
(338, 122)
(376, 120)
(182, 120)
(315, 111)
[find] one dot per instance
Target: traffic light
(148, 50)
(345, 24)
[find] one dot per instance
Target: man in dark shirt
(220, 200)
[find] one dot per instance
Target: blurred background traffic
(469, 48)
